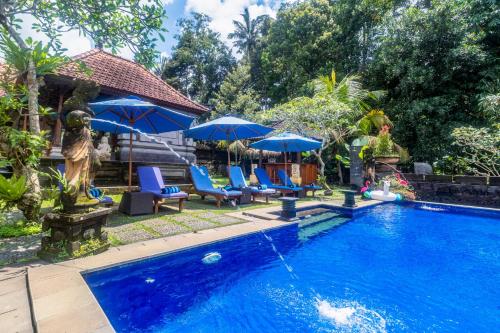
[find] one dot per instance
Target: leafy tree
(479, 149)
(236, 95)
(329, 115)
(199, 62)
(436, 63)
(308, 38)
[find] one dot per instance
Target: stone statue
(80, 220)
(104, 149)
(77, 147)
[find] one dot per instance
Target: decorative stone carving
(79, 220)
(104, 149)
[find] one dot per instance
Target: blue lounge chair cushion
(264, 180)
(285, 179)
(170, 190)
(313, 187)
(151, 181)
(238, 181)
(203, 184)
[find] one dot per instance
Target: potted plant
(384, 151)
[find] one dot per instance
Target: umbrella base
(136, 203)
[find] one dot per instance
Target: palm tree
(247, 33)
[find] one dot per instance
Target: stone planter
(386, 163)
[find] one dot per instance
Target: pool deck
(60, 296)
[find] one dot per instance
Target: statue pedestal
(71, 230)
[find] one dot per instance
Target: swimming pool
(393, 268)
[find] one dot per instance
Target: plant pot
(386, 163)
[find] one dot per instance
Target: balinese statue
(104, 149)
(77, 148)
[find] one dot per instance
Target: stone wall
(146, 150)
(464, 190)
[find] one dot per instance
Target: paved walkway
(15, 311)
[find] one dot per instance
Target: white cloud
(70, 40)
(223, 12)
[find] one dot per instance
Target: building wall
(145, 149)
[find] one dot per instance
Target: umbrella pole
(130, 162)
(228, 161)
(286, 171)
(228, 158)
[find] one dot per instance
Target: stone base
(69, 231)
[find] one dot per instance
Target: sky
(222, 13)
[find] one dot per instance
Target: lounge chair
(203, 186)
(285, 179)
(151, 181)
(264, 180)
(103, 199)
(238, 181)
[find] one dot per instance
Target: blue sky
(222, 13)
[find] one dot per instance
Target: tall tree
(199, 62)
(438, 63)
(236, 95)
(308, 38)
(247, 33)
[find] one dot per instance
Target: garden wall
(464, 190)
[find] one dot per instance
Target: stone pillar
(356, 168)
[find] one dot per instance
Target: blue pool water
(394, 268)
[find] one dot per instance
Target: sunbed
(285, 179)
(203, 186)
(238, 181)
(151, 181)
(264, 180)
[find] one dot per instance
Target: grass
(19, 228)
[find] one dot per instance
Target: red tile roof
(126, 77)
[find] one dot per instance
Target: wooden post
(56, 139)
(260, 158)
(130, 162)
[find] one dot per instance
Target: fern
(11, 190)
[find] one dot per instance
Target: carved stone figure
(77, 147)
(104, 149)
(77, 150)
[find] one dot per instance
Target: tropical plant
(329, 115)
(374, 120)
(479, 148)
(247, 33)
(11, 191)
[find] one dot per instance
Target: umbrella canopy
(287, 142)
(141, 115)
(227, 128)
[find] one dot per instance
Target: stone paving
(19, 249)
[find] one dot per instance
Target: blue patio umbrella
(227, 128)
(139, 114)
(287, 143)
